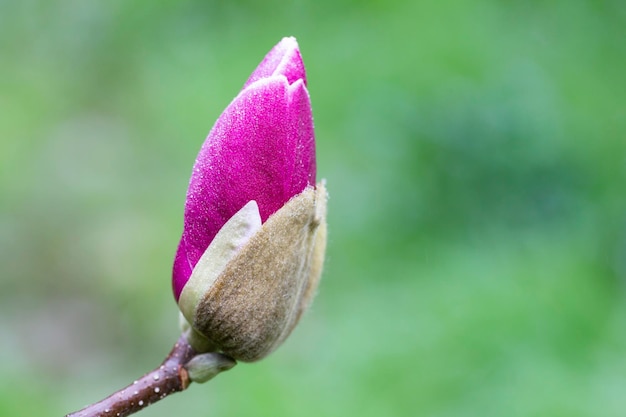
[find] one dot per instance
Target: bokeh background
(475, 154)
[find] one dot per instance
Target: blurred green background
(475, 154)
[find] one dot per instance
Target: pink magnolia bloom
(261, 148)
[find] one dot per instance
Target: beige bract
(254, 281)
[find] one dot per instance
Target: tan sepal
(228, 241)
(198, 342)
(262, 292)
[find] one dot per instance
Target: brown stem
(167, 379)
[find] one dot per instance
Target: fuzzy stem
(167, 379)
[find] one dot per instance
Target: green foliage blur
(475, 154)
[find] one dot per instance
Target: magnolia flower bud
(253, 244)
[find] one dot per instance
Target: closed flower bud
(254, 236)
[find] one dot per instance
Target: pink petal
(182, 269)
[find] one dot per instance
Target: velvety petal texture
(261, 148)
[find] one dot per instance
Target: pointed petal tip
(288, 42)
(283, 59)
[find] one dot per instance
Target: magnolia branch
(175, 374)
